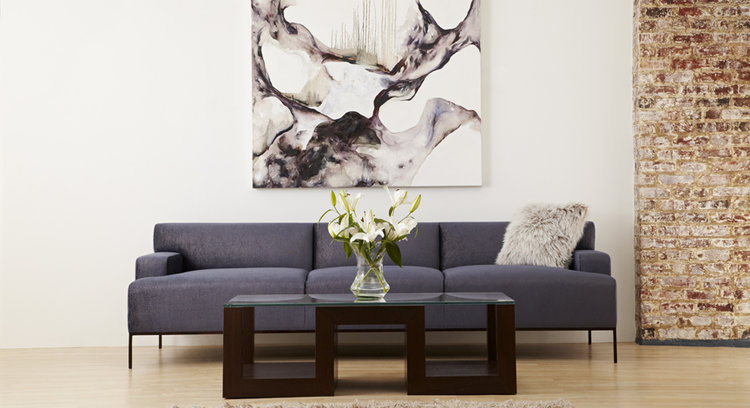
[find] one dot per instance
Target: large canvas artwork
(353, 93)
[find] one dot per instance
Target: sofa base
(614, 336)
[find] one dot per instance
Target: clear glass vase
(370, 283)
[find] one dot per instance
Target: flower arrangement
(369, 237)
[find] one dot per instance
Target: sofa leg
(160, 341)
(589, 337)
(130, 351)
(614, 343)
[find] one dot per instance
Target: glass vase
(370, 283)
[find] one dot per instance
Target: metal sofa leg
(160, 341)
(130, 351)
(614, 343)
(589, 337)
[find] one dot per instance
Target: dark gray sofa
(196, 268)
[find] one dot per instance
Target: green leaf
(347, 250)
(324, 214)
(393, 252)
(390, 211)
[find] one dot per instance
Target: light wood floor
(646, 376)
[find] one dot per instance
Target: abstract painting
(357, 93)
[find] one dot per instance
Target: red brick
(680, 51)
(732, 11)
(713, 127)
(713, 205)
(726, 90)
(729, 218)
(695, 89)
(733, 165)
(682, 179)
(714, 77)
(739, 64)
(696, 243)
(647, 26)
(698, 295)
(742, 256)
(715, 153)
(656, 90)
(692, 38)
(693, 217)
(716, 282)
(692, 141)
(742, 102)
(650, 269)
(690, 11)
(713, 50)
(680, 77)
(724, 243)
(726, 307)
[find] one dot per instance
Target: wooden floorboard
(646, 376)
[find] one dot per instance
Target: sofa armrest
(158, 264)
(588, 260)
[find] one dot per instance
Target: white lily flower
(350, 203)
(370, 229)
(339, 230)
(405, 226)
(397, 230)
(398, 197)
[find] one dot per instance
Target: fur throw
(543, 235)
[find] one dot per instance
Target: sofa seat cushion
(409, 279)
(193, 302)
(546, 297)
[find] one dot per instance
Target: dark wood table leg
(504, 327)
(496, 375)
(327, 318)
(492, 334)
(415, 352)
(239, 345)
(325, 348)
(245, 378)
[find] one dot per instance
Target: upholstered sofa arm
(158, 264)
(587, 260)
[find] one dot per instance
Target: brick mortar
(691, 101)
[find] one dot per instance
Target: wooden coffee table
(245, 378)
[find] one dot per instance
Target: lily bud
(344, 201)
(415, 204)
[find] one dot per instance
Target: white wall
(116, 115)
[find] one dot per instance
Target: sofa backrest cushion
(422, 250)
(478, 243)
(240, 245)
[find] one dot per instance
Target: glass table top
(393, 299)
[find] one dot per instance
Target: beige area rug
(559, 403)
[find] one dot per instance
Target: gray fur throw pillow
(543, 235)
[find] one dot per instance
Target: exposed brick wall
(691, 86)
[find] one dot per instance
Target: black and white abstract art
(356, 93)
